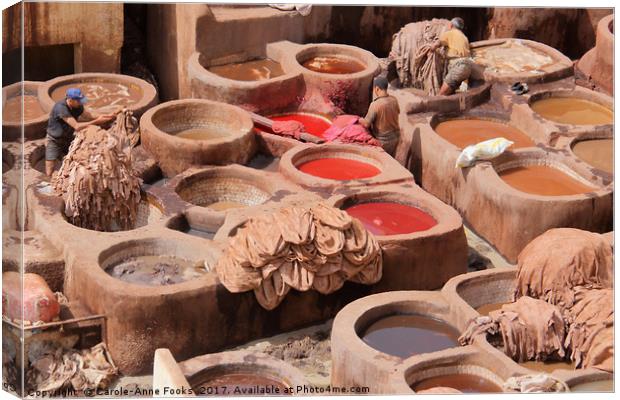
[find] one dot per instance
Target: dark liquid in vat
(240, 384)
(156, 270)
(407, 335)
(548, 366)
(596, 386)
(466, 383)
(487, 308)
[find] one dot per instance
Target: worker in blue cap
(62, 124)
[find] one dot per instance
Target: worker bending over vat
(382, 116)
(460, 63)
(62, 124)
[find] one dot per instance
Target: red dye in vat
(340, 169)
(386, 218)
(313, 124)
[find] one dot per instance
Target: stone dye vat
(34, 116)
(597, 64)
(464, 132)
(597, 152)
(258, 82)
(106, 93)
(572, 111)
(182, 133)
(240, 373)
(463, 382)
(519, 60)
(331, 165)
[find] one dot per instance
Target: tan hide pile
(417, 66)
(317, 247)
(551, 265)
(96, 178)
(590, 337)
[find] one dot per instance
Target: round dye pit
(239, 383)
(466, 383)
(340, 169)
(156, 270)
(405, 335)
(313, 123)
(103, 97)
(466, 132)
(599, 153)
(388, 218)
(221, 193)
(487, 308)
(606, 385)
(12, 108)
(256, 70)
(573, 111)
(548, 366)
(334, 64)
(543, 180)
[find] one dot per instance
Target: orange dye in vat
(340, 169)
(386, 218)
(466, 132)
(543, 180)
(573, 111)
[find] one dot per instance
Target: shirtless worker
(382, 116)
(62, 124)
(459, 62)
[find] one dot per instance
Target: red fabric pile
(346, 129)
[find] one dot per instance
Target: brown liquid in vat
(548, 366)
(543, 180)
(333, 65)
(466, 132)
(487, 308)
(257, 70)
(12, 109)
(599, 153)
(103, 97)
(573, 110)
(466, 383)
(596, 386)
(156, 270)
(406, 335)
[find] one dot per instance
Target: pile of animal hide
(96, 178)
(316, 247)
(564, 302)
(559, 260)
(54, 368)
(531, 329)
(540, 383)
(346, 129)
(416, 64)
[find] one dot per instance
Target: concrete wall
(95, 30)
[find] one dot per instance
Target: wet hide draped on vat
(346, 129)
(96, 179)
(590, 337)
(416, 65)
(551, 265)
(316, 247)
(531, 329)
